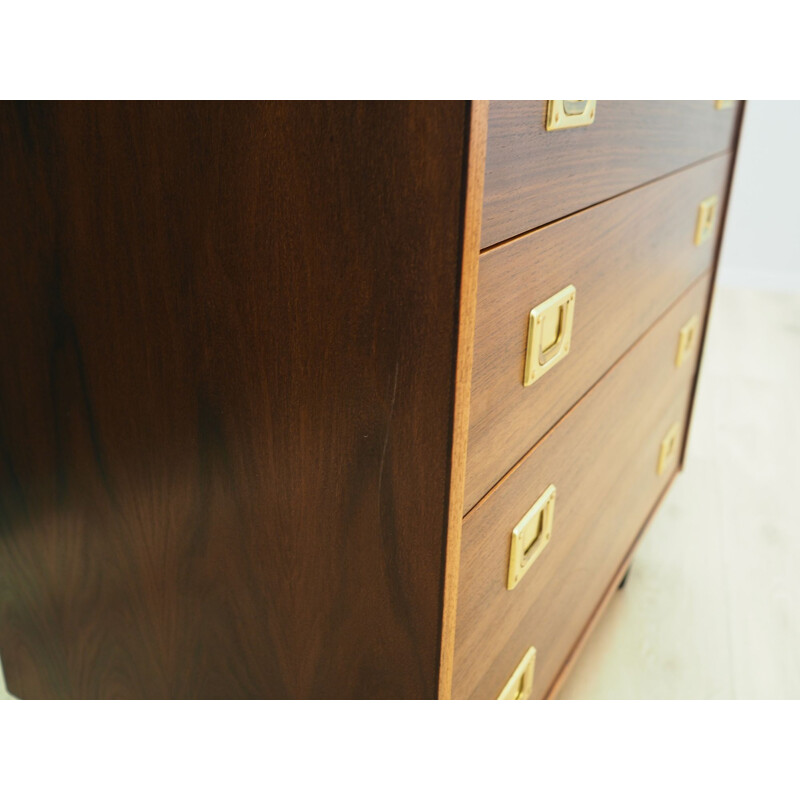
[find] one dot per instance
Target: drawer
(534, 176)
(602, 459)
(628, 258)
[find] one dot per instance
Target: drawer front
(534, 176)
(629, 259)
(602, 459)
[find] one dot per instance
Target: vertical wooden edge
(555, 688)
(710, 300)
(478, 117)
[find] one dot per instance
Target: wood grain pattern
(228, 338)
(466, 327)
(602, 459)
(534, 176)
(628, 258)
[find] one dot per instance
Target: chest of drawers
(340, 400)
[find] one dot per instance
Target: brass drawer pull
(569, 113)
(669, 448)
(686, 339)
(531, 535)
(706, 216)
(549, 334)
(520, 684)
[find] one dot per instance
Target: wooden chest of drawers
(319, 400)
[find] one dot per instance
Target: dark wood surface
(534, 176)
(479, 113)
(227, 357)
(602, 459)
(629, 258)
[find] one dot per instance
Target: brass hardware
(686, 339)
(520, 684)
(723, 104)
(706, 214)
(531, 535)
(549, 334)
(569, 113)
(669, 448)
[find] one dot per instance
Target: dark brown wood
(534, 176)
(629, 258)
(479, 113)
(227, 359)
(602, 459)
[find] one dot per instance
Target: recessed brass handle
(669, 448)
(549, 334)
(520, 684)
(531, 535)
(686, 339)
(706, 216)
(569, 113)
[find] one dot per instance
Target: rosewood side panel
(227, 355)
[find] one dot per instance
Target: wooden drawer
(534, 176)
(602, 460)
(629, 259)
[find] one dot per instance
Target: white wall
(761, 248)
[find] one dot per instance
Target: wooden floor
(711, 608)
